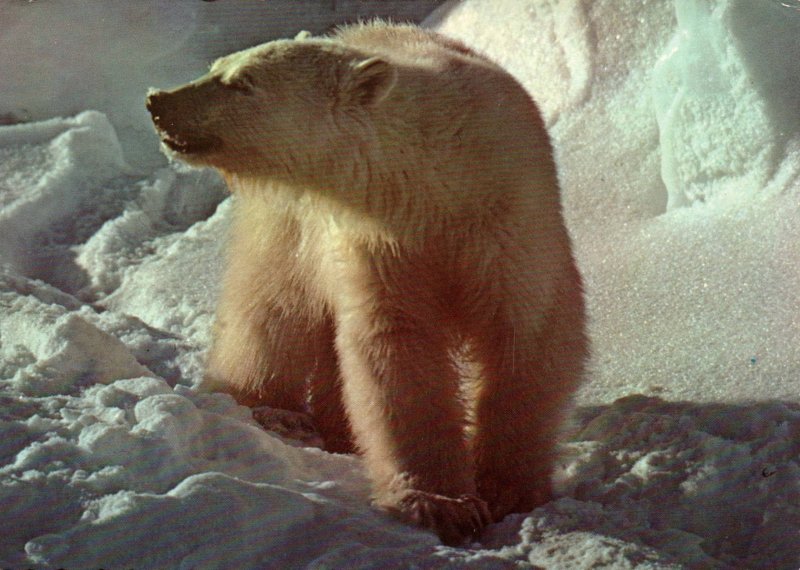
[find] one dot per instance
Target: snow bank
(676, 135)
(677, 144)
(220, 490)
(50, 170)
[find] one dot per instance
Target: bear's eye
(242, 84)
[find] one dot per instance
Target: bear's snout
(158, 105)
(154, 103)
(169, 110)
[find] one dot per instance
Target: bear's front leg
(257, 360)
(273, 341)
(401, 394)
(531, 367)
(266, 357)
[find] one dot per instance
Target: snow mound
(190, 476)
(678, 145)
(50, 171)
(711, 485)
(51, 350)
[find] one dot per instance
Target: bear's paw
(295, 426)
(454, 520)
(505, 496)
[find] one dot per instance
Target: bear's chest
(334, 251)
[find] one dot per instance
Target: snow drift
(676, 133)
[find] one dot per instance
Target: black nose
(154, 102)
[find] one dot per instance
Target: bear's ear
(370, 81)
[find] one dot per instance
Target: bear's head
(289, 108)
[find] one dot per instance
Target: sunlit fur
(396, 202)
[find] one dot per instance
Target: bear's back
(407, 44)
(440, 80)
(457, 120)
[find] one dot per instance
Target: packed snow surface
(677, 137)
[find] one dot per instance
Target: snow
(678, 146)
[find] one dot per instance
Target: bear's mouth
(193, 145)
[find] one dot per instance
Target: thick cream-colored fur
(396, 202)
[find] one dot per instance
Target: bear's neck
(388, 213)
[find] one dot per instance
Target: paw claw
(454, 520)
(291, 425)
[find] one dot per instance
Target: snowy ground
(678, 141)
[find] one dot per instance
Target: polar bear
(396, 214)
